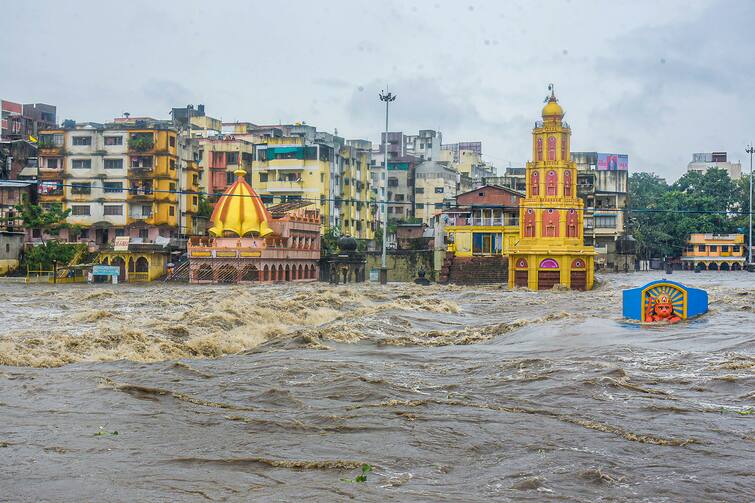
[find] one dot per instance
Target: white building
(703, 161)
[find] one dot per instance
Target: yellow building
(332, 175)
(119, 179)
(550, 249)
(715, 252)
(485, 222)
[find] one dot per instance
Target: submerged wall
(403, 265)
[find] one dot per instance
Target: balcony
(141, 142)
(285, 186)
(285, 164)
(140, 194)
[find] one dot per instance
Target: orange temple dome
(240, 212)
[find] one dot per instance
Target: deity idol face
(663, 307)
(663, 310)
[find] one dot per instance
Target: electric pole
(750, 149)
(387, 98)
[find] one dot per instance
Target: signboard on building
(121, 243)
(106, 270)
(613, 162)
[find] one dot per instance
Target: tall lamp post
(387, 98)
(750, 150)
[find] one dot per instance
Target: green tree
(43, 256)
(662, 217)
(48, 220)
(205, 207)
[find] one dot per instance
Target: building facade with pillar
(550, 250)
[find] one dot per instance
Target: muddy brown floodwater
(280, 393)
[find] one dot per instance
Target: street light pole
(387, 98)
(750, 149)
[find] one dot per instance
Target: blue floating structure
(664, 300)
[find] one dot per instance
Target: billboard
(613, 162)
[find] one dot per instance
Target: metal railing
(39, 276)
(138, 277)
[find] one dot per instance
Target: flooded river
(281, 393)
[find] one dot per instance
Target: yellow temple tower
(550, 249)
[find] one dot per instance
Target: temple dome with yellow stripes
(239, 212)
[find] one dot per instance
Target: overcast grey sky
(655, 80)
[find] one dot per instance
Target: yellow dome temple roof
(552, 110)
(239, 211)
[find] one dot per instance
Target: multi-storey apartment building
(435, 182)
(19, 122)
(297, 162)
(396, 187)
(119, 179)
(221, 155)
(703, 161)
(603, 186)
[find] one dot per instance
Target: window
(54, 163)
(81, 164)
(195, 180)
(393, 182)
(82, 140)
(231, 157)
(81, 188)
(144, 234)
(172, 211)
(80, 210)
(713, 248)
(399, 197)
(263, 177)
(113, 209)
(120, 232)
(113, 163)
(735, 249)
(50, 140)
(724, 248)
(229, 177)
(605, 222)
(172, 164)
(147, 211)
(172, 187)
(172, 140)
(701, 248)
(113, 187)
(419, 190)
(114, 140)
(439, 190)
(141, 162)
(420, 206)
(195, 200)
(551, 148)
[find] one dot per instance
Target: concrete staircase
(474, 270)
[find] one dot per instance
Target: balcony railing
(285, 185)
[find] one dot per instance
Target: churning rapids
(280, 393)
